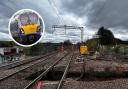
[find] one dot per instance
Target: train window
(23, 20)
(33, 18)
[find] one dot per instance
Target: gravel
(109, 84)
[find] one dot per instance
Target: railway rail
(65, 73)
(35, 81)
(21, 69)
(13, 80)
(22, 62)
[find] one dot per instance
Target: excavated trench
(55, 75)
(51, 75)
(103, 76)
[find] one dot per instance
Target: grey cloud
(4, 25)
(4, 37)
(77, 7)
(111, 13)
(9, 7)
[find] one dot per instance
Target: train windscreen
(33, 18)
(23, 19)
(27, 19)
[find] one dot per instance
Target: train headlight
(22, 31)
(38, 28)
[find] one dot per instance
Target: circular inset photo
(26, 27)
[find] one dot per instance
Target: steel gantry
(70, 27)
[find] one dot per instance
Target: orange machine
(83, 50)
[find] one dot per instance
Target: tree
(106, 37)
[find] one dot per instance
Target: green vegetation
(37, 49)
(106, 37)
(92, 43)
(41, 48)
(6, 43)
(108, 41)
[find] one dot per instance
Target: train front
(29, 28)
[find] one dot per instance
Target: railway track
(73, 77)
(22, 67)
(65, 73)
(33, 84)
(18, 80)
(22, 62)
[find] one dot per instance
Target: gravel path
(109, 84)
(97, 65)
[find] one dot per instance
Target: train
(84, 50)
(29, 28)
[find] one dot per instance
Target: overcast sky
(91, 14)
